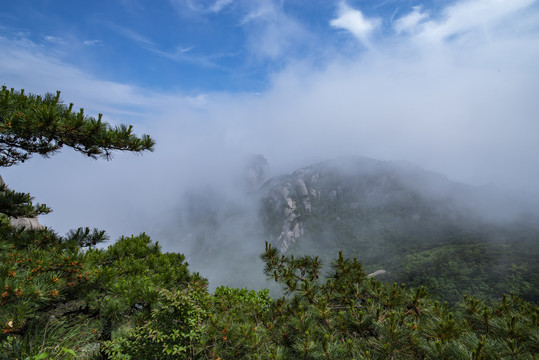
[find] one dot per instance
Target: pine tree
(45, 279)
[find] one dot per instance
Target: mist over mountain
(402, 194)
(418, 225)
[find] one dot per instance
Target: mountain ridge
(365, 183)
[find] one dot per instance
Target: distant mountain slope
(355, 185)
(416, 224)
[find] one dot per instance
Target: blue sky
(195, 46)
(449, 85)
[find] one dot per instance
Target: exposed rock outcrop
(376, 273)
(284, 204)
(25, 223)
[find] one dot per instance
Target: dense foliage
(346, 316)
(450, 261)
(131, 301)
(58, 293)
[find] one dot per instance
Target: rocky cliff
(363, 193)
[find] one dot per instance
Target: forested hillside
(420, 227)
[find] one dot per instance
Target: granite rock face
(288, 200)
(26, 223)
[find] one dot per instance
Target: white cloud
(410, 22)
(355, 22)
(259, 10)
(93, 42)
(470, 15)
(219, 5)
(199, 7)
(55, 40)
(271, 33)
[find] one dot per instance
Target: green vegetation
(132, 303)
(54, 290)
(63, 298)
(451, 261)
(383, 219)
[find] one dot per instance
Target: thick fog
(456, 94)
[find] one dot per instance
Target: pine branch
(84, 237)
(31, 124)
(16, 204)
